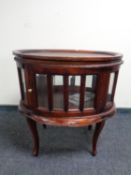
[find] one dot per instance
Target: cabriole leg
(98, 129)
(33, 127)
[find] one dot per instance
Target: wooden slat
(21, 83)
(66, 93)
(102, 91)
(50, 91)
(114, 85)
(82, 92)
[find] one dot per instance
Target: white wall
(71, 24)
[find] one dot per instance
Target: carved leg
(98, 129)
(90, 127)
(33, 128)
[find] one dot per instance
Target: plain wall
(66, 24)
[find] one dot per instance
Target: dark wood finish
(98, 129)
(66, 93)
(68, 55)
(31, 96)
(33, 128)
(102, 90)
(68, 63)
(82, 92)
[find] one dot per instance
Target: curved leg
(90, 127)
(98, 129)
(33, 128)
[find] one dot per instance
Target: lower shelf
(76, 121)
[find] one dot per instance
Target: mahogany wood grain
(98, 129)
(67, 63)
(33, 128)
(82, 92)
(66, 93)
(31, 96)
(102, 90)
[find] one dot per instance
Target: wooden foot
(44, 126)
(33, 128)
(98, 129)
(90, 127)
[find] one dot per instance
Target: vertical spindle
(82, 92)
(66, 93)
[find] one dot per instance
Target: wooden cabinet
(67, 88)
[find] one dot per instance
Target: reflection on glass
(110, 87)
(74, 87)
(23, 81)
(74, 91)
(58, 91)
(41, 86)
(89, 91)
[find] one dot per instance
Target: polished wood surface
(67, 104)
(67, 55)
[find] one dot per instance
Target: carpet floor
(64, 151)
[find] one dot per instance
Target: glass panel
(90, 86)
(110, 88)
(22, 83)
(58, 92)
(23, 80)
(41, 85)
(74, 92)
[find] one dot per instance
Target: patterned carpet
(64, 151)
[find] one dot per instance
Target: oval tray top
(68, 55)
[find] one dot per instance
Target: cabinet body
(67, 87)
